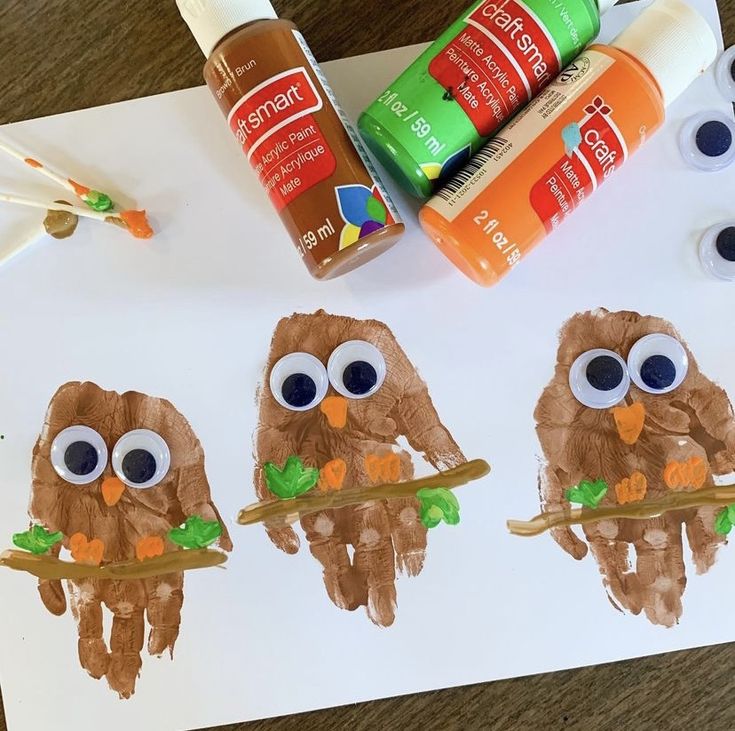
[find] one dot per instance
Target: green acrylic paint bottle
(483, 69)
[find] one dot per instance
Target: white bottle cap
(673, 41)
(211, 20)
(604, 5)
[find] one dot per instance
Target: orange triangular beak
(112, 490)
(629, 421)
(335, 409)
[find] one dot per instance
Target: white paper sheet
(189, 315)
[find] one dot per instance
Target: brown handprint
(115, 473)
(339, 393)
(629, 409)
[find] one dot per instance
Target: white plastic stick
(135, 222)
(53, 206)
(95, 199)
(38, 165)
(22, 245)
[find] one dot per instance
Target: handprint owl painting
(627, 421)
(339, 394)
(114, 477)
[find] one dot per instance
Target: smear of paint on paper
(360, 547)
(60, 224)
(137, 525)
(647, 446)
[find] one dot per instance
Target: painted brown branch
(48, 567)
(289, 511)
(724, 495)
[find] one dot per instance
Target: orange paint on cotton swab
(136, 222)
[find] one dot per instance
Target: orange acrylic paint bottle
(569, 140)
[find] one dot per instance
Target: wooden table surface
(59, 55)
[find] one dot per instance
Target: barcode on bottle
(474, 166)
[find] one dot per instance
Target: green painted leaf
(290, 481)
(376, 210)
(587, 493)
(731, 513)
(37, 540)
(437, 505)
(98, 201)
(432, 516)
(723, 524)
(196, 533)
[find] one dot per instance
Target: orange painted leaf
(631, 489)
(392, 470)
(373, 467)
(86, 551)
(149, 547)
(697, 472)
(333, 474)
(690, 474)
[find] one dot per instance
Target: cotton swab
(135, 222)
(93, 198)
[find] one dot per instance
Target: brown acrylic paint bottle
(297, 139)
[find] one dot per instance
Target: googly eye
(356, 369)
(599, 379)
(299, 381)
(717, 251)
(141, 458)
(725, 73)
(658, 363)
(707, 141)
(79, 455)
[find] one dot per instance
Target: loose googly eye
(356, 369)
(717, 251)
(79, 455)
(599, 379)
(658, 363)
(299, 381)
(725, 73)
(141, 458)
(707, 141)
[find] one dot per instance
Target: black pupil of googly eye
(298, 390)
(714, 138)
(732, 70)
(138, 466)
(658, 372)
(725, 243)
(359, 377)
(604, 373)
(81, 458)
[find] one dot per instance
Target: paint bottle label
(568, 141)
(476, 76)
(276, 127)
(489, 70)
(300, 143)
(600, 151)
